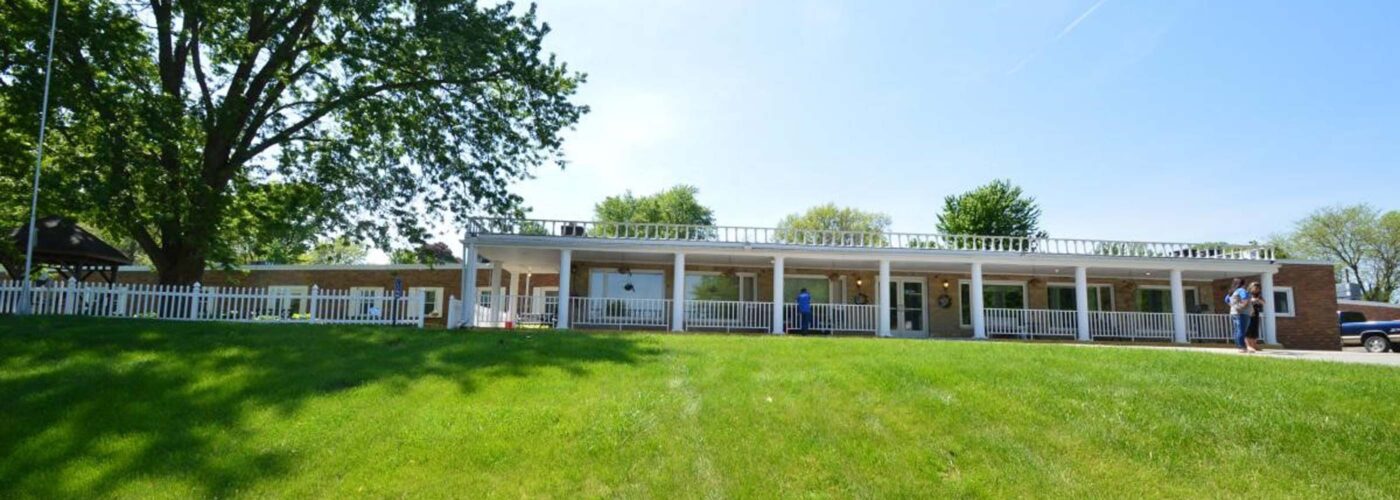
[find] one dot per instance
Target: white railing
(835, 317)
(196, 302)
(596, 311)
(728, 315)
(1122, 325)
(861, 239)
(1210, 327)
(1031, 323)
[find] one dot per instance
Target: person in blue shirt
(804, 310)
(1240, 305)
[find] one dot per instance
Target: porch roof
(535, 243)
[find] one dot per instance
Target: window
(1000, 294)
(287, 300)
(364, 298)
(483, 296)
(712, 286)
(1159, 299)
(819, 287)
(1061, 297)
(611, 284)
(1283, 301)
(432, 300)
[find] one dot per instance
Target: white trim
(437, 298)
(923, 307)
(450, 266)
(1025, 294)
(868, 254)
(1292, 304)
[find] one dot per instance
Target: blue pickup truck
(1374, 336)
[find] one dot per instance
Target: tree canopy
(430, 253)
(995, 209)
(677, 205)
(170, 119)
(829, 217)
(1364, 243)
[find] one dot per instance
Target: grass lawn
(147, 409)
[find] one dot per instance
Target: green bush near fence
(146, 409)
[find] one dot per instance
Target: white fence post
(194, 300)
(121, 302)
(70, 297)
(312, 308)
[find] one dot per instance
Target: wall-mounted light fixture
(945, 284)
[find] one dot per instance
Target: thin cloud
(1069, 28)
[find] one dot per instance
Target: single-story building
(722, 278)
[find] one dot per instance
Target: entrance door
(907, 315)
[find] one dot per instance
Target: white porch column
(678, 293)
(566, 263)
(469, 286)
(883, 329)
(1178, 308)
(979, 323)
(778, 294)
(1081, 303)
(1270, 326)
(512, 297)
(496, 301)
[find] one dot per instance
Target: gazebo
(63, 246)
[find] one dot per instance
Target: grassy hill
(148, 409)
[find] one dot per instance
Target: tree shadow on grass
(100, 407)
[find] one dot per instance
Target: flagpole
(25, 300)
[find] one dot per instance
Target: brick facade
(1314, 321)
(1374, 311)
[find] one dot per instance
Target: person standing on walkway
(1240, 306)
(1256, 310)
(804, 310)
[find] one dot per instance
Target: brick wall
(1374, 311)
(1314, 322)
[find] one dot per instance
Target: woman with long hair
(1256, 310)
(1239, 302)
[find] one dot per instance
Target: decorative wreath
(944, 301)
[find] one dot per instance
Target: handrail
(747, 235)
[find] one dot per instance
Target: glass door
(907, 305)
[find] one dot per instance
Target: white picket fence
(1104, 325)
(1031, 323)
(729, 315)
(196, 303)
(835, 317)
(609, 312)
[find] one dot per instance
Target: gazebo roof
(62, 241)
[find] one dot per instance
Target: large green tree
(854, 226)
(995, 209)
(677, 205)
(1364, 243)
(169, 116)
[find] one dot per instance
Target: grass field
(147, 409)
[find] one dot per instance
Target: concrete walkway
(1348, 356)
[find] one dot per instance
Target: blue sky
(1173, 121)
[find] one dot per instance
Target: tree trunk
(181, 266)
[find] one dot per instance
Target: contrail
(1074, 24)
(1064, 32)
